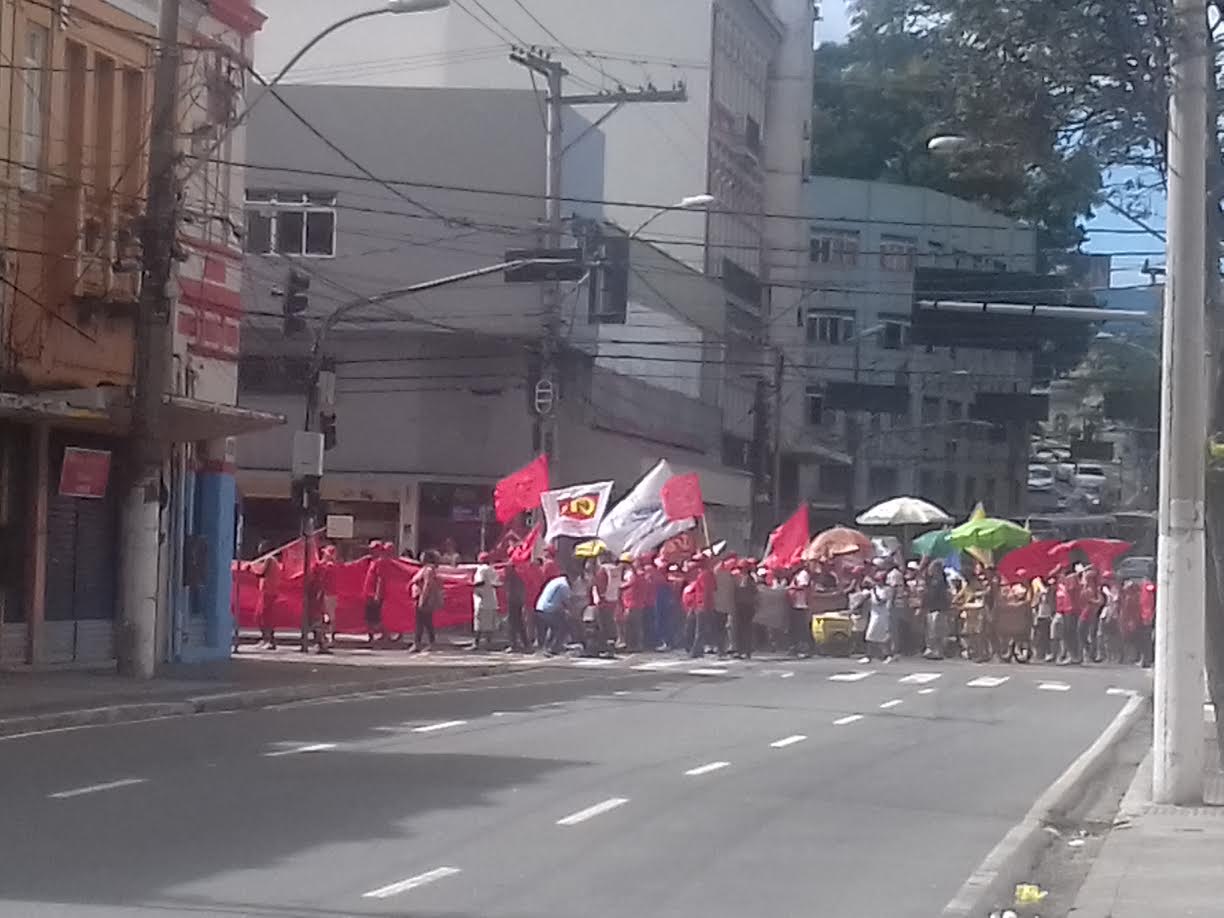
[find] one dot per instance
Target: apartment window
(926, 484)
(104, 124)
(76, 59)
(949, 489)
(930, 410)
(133, 135)
(33, 106)
(814, 406)
(826, 326)
(894, 332)
(752, 134)
(897, 253)
(834, 247)
(998, 499)
(971, 494)
(882, 481)
(291, 223)
(836, 480)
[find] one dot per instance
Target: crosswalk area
(926, 682)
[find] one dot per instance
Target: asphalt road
(772, 788)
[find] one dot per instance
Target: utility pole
(1177, 776)
(776, 471)
(554, 74)
(141, 512)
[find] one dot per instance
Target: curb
(11, 727)
(1013, 858)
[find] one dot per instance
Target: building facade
(847, 342)
(434, 392)
(74, 121)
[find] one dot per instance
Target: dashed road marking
(788, 675)
(706, 769)
(1121, 691)
(658, 664)
(1053, 686)
(852, 677)
(592, 811)
(848, 719)
(96, 788)
(299, 750)
(926, 691)
(919, 678)
(708, 671)
(987, 681)
(621, 692)
(593, 661)
(892, 704)
(403, 886)
(788, 741)
(444, 725)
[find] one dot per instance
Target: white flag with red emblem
(576, 511)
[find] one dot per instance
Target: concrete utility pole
(775, 471)
(554, 74)
(1177, 776)
(139, 585)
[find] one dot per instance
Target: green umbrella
(993, 535)
(934, 544)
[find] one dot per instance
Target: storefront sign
(84, 473)
(339, 526)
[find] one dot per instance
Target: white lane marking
(403, 886)
(788, 675)
(592, 811)
(788, 741)
(892, 704)
(987, 681)
(706, 769)
(919, 678)
(926, 691)
(96, 788)
(593, 661)
(659, 664)
(500, 713)
(1053, 686)
(297, 750)
(851, 677)
(444, 725)
(707, 671)
(621, 692)
(1129, 693)
(848, 719)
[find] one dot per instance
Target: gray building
(850, 326)
(435, 390)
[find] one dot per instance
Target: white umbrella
(904, 511)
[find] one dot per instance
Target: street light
(691, 202)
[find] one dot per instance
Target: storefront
(461, 514)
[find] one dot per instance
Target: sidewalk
(1161, 861)
(45, 700)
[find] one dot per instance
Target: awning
(189, 419)
(33, 408)
(816, 451)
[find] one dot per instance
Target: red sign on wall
(84, 473)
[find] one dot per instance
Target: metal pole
(779, 375)
(1178, 752)
(554, 151)
(138, 606)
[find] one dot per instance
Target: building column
(409, 517)
(215, 496)
(36, 559)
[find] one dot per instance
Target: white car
(1090, 476)
(1040, 478)
(1063, 471)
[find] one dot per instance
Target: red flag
(787, 542)
(682, 497)
(521, 490)
(521, 552)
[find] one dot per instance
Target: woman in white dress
(879, 623)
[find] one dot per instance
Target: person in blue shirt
(551, 617)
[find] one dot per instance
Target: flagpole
(705, 526)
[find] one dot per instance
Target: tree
(1094, 76)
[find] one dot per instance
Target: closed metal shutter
(82, 559)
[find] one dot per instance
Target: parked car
(1090, 475)
(1040, 478)
(1136, 567)
(1064, 470)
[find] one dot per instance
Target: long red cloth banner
(399, 609)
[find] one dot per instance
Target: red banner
(682, 497)
(398, 611)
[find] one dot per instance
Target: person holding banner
(269, 572)
(745, 610)
(373, 589)
(426, 591)
(484, 601)
(704, 597)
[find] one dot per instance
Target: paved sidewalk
(51, 699)
(1161, 861)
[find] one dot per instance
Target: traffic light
(295, 303)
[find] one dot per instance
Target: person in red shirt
(1091, 600)
(373, 590)
(1147, 618)
(636, 596)
(269, 572)
(329, 570)
(705, 588)
(1067, 604)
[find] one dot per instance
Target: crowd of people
(731, 605)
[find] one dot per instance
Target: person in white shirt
(484, 601)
